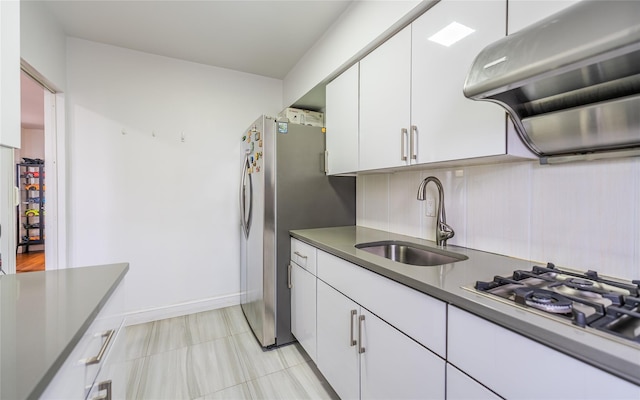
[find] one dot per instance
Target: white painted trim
(51, 181)
(61, 180)
(178, 310)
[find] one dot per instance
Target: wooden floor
(31, 261)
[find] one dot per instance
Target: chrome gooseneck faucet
(443, 231)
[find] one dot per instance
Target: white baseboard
(178, 310)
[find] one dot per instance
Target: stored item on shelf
(303, 117)
(294, 115)
(34, 186)
(32, 160)
(313, 118)
(31, 174)
(32, 212)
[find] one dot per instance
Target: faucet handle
(445, 231)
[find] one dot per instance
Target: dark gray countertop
(43, 315)
(452, 282)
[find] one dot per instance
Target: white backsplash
(582, 215)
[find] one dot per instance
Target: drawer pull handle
(96, 359)
(106, 386)
(299, 255)
(352, 341)
(361, 349)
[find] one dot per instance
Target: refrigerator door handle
(246, 217)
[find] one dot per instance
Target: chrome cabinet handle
(361, 321)
(414, 140)
(352, 341)
(96, 359)
(289, 285)
(106, 386)
(300, 255)
(326, 161)
(403, 144)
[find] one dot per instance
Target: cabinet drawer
(304, 255)
(419, 316)
(94, 350)
(476, 346)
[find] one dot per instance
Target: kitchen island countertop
(453, 284)
(43, 315)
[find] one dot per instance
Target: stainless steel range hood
(570, 83)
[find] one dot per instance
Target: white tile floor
(214, 355)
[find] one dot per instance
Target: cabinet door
(461, 387)
(337, 329)
(385, 95)
(448, 125)
(472, 344)
(393, 366)
(303, 308)
(525, 12)
(341, 118)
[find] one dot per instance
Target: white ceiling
(263, 37)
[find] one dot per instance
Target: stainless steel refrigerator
(283, 187)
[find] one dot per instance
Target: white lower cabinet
(338, 357)
(499, 358)
(303, 308)
(362, 356)
(462, 387)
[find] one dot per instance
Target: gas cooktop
(586, 300)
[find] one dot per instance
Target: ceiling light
(451, 34)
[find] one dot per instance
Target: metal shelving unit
(30, 209)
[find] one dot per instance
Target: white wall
(579, 215)
(43, 42)
(358, 30)
(32, 145)
(168, 207)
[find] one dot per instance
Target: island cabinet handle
(289, 284)
(96, 359)
(106, 386)
(360, 327)
(352, 341)
(299, 255)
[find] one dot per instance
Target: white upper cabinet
(448, 126)
(341, 118)
(525, 12)
(10, 73)
(412, 109)
(385, 95)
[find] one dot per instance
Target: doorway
(31, 178)
(40, 227)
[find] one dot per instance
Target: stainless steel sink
(411, 253)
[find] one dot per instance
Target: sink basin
(411, 253)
